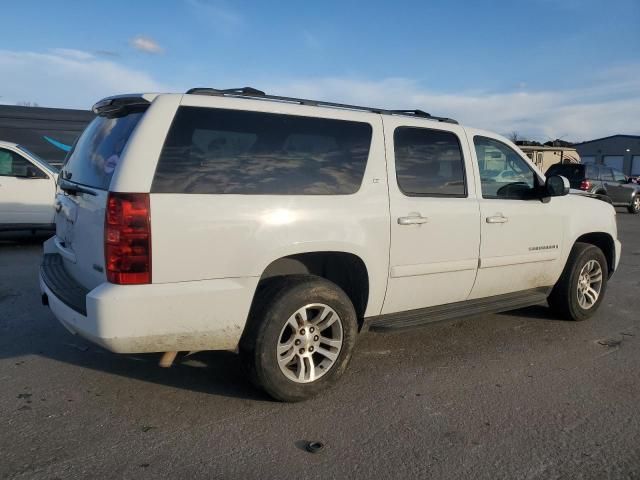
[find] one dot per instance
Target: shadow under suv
(601, 180)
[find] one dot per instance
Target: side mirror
(557, 186)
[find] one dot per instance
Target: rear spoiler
(120, 105)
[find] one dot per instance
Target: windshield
(97, 152)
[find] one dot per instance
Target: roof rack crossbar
(253, 93)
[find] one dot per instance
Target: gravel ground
(515, 395)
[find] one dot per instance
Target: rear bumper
(185, 316)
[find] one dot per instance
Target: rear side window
(428, 162)
(217, 151)
(97, 151)
(593, 171)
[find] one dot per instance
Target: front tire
(634, 207)
(582, 285)
(300, 336)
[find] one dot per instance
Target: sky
(542, 68)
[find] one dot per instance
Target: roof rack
(255, 93)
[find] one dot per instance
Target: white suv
(281, 227)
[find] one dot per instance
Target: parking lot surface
(514, 395)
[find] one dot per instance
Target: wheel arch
(345, 269)
(604, 241)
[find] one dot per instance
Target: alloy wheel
(309, 343)
(589, 284)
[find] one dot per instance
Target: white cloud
(66, 78)
(611, 105)
(146, 44)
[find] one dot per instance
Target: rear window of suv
(218, 151)
(96, 154)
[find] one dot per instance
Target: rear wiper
(74, 188)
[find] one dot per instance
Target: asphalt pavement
(520, 395)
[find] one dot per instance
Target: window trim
(536, 178)
(465, 194)
(43, 175)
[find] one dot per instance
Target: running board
(467, 308)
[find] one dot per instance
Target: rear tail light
(127, 238)
(585, 185)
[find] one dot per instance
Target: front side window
(503, 173)
(14, 165)
(429, 162)
(217, 151)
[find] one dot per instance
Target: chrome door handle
(412, 219)
(497, 219)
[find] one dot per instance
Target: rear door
(82, 193)
(26, 191)
(435, 221)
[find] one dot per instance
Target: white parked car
(27, 190)
(281, 227)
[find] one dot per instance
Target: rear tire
(634, 207)
(299, 338)
(582, 285)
